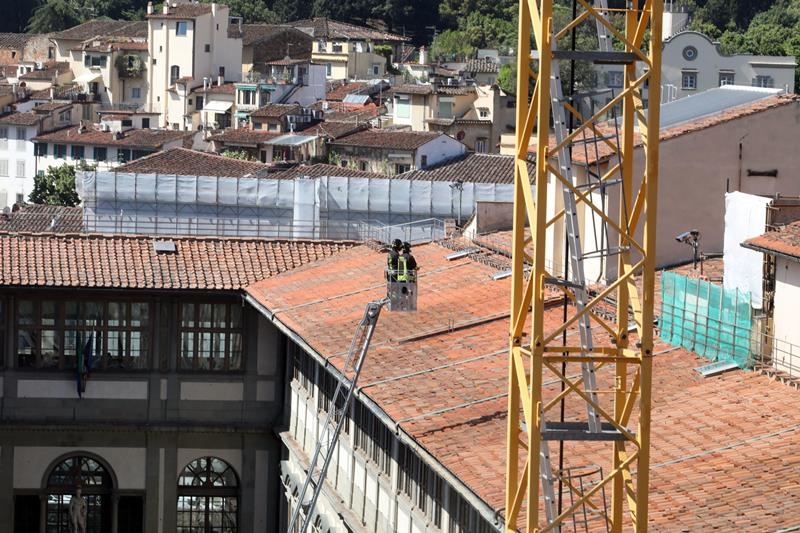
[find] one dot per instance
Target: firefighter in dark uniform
(393, 261)
(407, 265)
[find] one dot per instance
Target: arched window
(174, 74)
(208, 497)
(96, 486)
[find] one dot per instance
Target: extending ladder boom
(303, 515)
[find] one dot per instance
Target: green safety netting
(706, 318)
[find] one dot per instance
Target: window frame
(59, 151)
(181, 28)
(60, 328)
(689, 75)
(208, 490)
(98, 150)
(724, 76)
(77, 149)
(136, 93)
(197, 331)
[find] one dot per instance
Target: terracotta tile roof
(104, 28)
(340, 112)
(375, 138)
(145, 138)
(483, 65)
(61, 91)
(785, 241)
(449, 90)
(14, 41)
(277, 110)
(185, 162)
(51, 106)
(604, 151)
(43, 218)
(244, 136)
(182, 11)
(441, 373)
(338, 93)
(319, 170)
(227, 87)
(108, 44)
(254, 33)
(325, 28)
(51, 69)
(475, 168)
(27, 118)
(122, 261)
(334, 129)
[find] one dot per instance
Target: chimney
(220, 80)
(423, 55)
(165, 10)
(213, 9)
(52, 93)
(205, 83)
(149, 8)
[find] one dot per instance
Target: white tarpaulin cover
(745, 217)
(217, 106)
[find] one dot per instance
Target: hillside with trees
(454, 28)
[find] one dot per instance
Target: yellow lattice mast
(614, 383)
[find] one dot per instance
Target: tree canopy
(55, 187)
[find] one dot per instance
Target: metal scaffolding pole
(631, 38)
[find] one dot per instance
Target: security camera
(688, 236)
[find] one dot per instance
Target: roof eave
(770, 251)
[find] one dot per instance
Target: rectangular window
(689, 81)
(328, 69)
(22, 134)
(94, 61)
(198, 104)
(376, 69)
(399, 169)
(763, 81)
(51, 334)
(337, 47)
(445, 109)
(423, 160)
(726, 78)
(77, 151)
(100, 153)
(615, 79)
(136, 154)
(127, 123)
(322, 46)
(480, 145)
(211, 336)
(86, 112)
(60, 151)
(123, 155)
(402, 107)
(145, 123)
(136, 92)
(20, 169)
(208, 48)
(180, 27)
(3, 133)
(3, 167)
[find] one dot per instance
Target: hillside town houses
(233, 182)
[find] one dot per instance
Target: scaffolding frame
(633, 288)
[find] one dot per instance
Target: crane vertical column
(619, 395)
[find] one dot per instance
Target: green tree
(252, 11)
(56, 15)
(451, 45)
(237, 154)
(507, 78)
(55, 187)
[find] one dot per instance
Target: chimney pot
(165, 9)
(149, 8)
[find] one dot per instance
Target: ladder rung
(563, 283)
(580, 431)
(606, 252)
(598, 186)
(595, 56)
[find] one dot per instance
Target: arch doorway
(96, 484)
(208, 497)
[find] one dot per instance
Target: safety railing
(426, 230)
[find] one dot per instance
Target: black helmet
(397, 244)
(406, 247)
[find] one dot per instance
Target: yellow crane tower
(612, 348)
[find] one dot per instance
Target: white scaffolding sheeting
(323, 207)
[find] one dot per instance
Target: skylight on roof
(164, 247)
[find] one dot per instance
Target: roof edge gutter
(768, 251)
(485, 510)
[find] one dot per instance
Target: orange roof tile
(720, 446)
(130, 261)
(785, 241)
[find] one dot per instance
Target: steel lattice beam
(535, 359)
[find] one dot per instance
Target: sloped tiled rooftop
(724, 449)
(130, 261)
